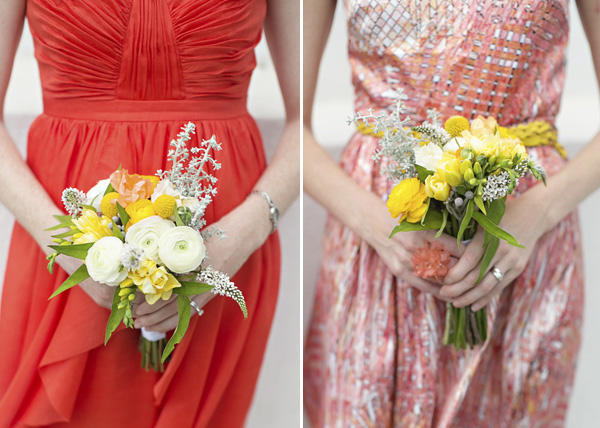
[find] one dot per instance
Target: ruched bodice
(493, 57)
(185, 54)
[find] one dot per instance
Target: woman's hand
(397, 252)
(523, 219)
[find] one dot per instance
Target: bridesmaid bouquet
(140, 233)
(451, 179)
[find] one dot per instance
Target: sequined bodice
(501, 58)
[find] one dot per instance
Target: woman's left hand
(523, 219)
(247, 226)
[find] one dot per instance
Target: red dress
(120, 77)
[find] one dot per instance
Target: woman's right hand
(396, 252)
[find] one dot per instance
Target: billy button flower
(408, 200)
(165, 206)
(108, 205)
(455, 125)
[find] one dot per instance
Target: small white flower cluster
(497, 186)
(73, 199)
(222, 286)
(213, 232)
(521, 168)
(131, 256)
(193, 181)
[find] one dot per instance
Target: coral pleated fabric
(120, 78)
(374, 355)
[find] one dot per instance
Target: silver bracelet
(197, 309)
(273, 211)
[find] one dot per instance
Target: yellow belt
(538, 133)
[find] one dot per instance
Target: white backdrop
(577, 123)
(277, 399)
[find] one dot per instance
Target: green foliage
(116, 315)
(76, 277)
(465, 222)
(489, 226)
(433, 220)
(490, 251)
(444, 222)
(190, 288)
(183, 307)
(123, 214)
(78, 251)
(423, 173)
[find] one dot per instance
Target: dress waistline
(118, 110)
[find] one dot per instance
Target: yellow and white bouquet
(141, 234)
(451, 178)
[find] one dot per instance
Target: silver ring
(196, 308)
(498, 274)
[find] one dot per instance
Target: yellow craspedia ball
(165, 205)
(108, 205)
(456, 125)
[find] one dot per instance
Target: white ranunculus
(103, 261)
(181, 249)
(164, 187)
(428, 156)
(96, 194)
(146, 233)
(454, 144)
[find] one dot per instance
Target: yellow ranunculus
(153, 179)
(139, 210)
(449, 168)
(408, 200)
(154, 281)
(437, 188)
(91, 226)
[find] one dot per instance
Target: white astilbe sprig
(497, 186)
(189, 171)
(73, 199)
(131, 256)
(222, 286)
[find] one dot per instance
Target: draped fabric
(374, 355)
(119, 79)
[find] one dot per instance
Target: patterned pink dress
(374, 354)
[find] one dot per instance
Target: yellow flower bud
(477, 170)
(466, 164)
(469, 175)
(437, 188)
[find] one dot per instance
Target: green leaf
(116, 231)
(423, 173)
(109, 189)
(465, 222)
(488, 225)
(479, 203)
(178, 220)
(538, 172)
(66, 234)
(116, 315)
(64, 221)
(89, 207)
(444, 222)
(495, 211)
(76, 277)
(123, 214)
(433, 220)
(79, 251)
(63, 218)
(51, 260)
(189, 288)
(183, 307)
(488, 255)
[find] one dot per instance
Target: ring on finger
(498, 274)
(196, 308)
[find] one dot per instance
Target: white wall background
(577, 123)
(277, 399)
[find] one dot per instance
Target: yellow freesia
(153, 280)
(408, 200)
(91, 226)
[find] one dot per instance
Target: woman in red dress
(120, 77)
